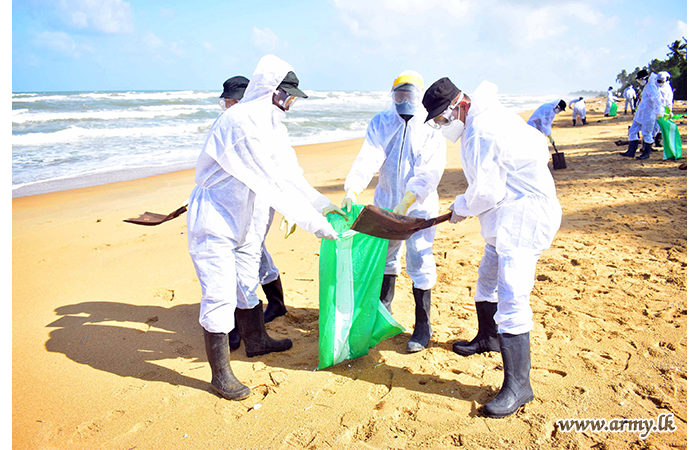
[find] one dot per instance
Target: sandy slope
(107, 351)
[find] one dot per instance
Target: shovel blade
(558, 161)
(151, 219)
(384, 224)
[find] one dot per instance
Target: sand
(107, 351)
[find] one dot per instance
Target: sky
(525, 47)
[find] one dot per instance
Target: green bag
(351, 270)
(673, 147)
(613, 109)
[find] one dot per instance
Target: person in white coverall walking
(629, 95)
(512, 193)
(543, 117)
(648, 110)
(410, 158)
(578, 109)
(246, 156)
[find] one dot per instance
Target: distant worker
(609, 100)
(578, 110)
(630, 95)
(648, 111)
(666, 92)
(543, 117)
(410, 159)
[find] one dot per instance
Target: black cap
(439, 96)
(642, 73)
(234, 87)
(562, 105)
(290, 85)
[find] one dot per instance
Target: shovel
(385, 224)
(151, 219)
(558, 160)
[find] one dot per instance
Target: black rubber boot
(646, 151)
(255, 337)
(583, 120)
(222, 378)
(234, 339)
(631, 150)
(387, 293)
(275, 300)
(516, 389)
(422, 331)
(658, 141)
(486, 339)
(574, 123)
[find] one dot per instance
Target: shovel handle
(436, 220)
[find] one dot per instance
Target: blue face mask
(406, 108)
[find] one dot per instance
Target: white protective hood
(543, 117)
(250, 143)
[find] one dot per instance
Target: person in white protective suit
(543, 117)
(609, 100)
(648, 110)
(246, 156)
(269, 276)
(629, 95)
(666, 93)
(578, 109)
(410, 158)
(512, 193)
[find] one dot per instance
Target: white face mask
(453, 131)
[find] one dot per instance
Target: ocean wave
(74, 133)
(147, 112)
(127, 95)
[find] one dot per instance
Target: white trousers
(420, 262)
(229, 274)
(647, 129)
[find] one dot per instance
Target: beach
(107, 351)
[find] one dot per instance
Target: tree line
(676, 63)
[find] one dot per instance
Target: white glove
(327, 232)
(349, 199)
(333, 209)
(455, 218)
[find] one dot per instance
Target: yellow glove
(408, 199)
(349, 199)
(333, 209)
(287, 227)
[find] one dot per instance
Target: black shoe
(574, 124)
(631, 150)
(234, 339)
(516, 390)
(606, 115)
(222, 378)
(422, 331)
(486, 339)
(275, 300)
(583, 120)
(658, 141)
(646, 151)
(255, 337)
(387, 293)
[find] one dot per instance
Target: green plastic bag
(613, 109)
(673, 147)
(351, 317)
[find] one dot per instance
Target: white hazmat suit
(666, 93)
(648, 110)
(246, 156)
(543, 117)
(630, 95)
(512, 192)
(609, 100)
(409, 156)
(578, 110)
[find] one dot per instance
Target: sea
(67, 140)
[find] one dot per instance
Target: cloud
(152, 41)
(103, 16)
(58, 42)
(265, 40)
